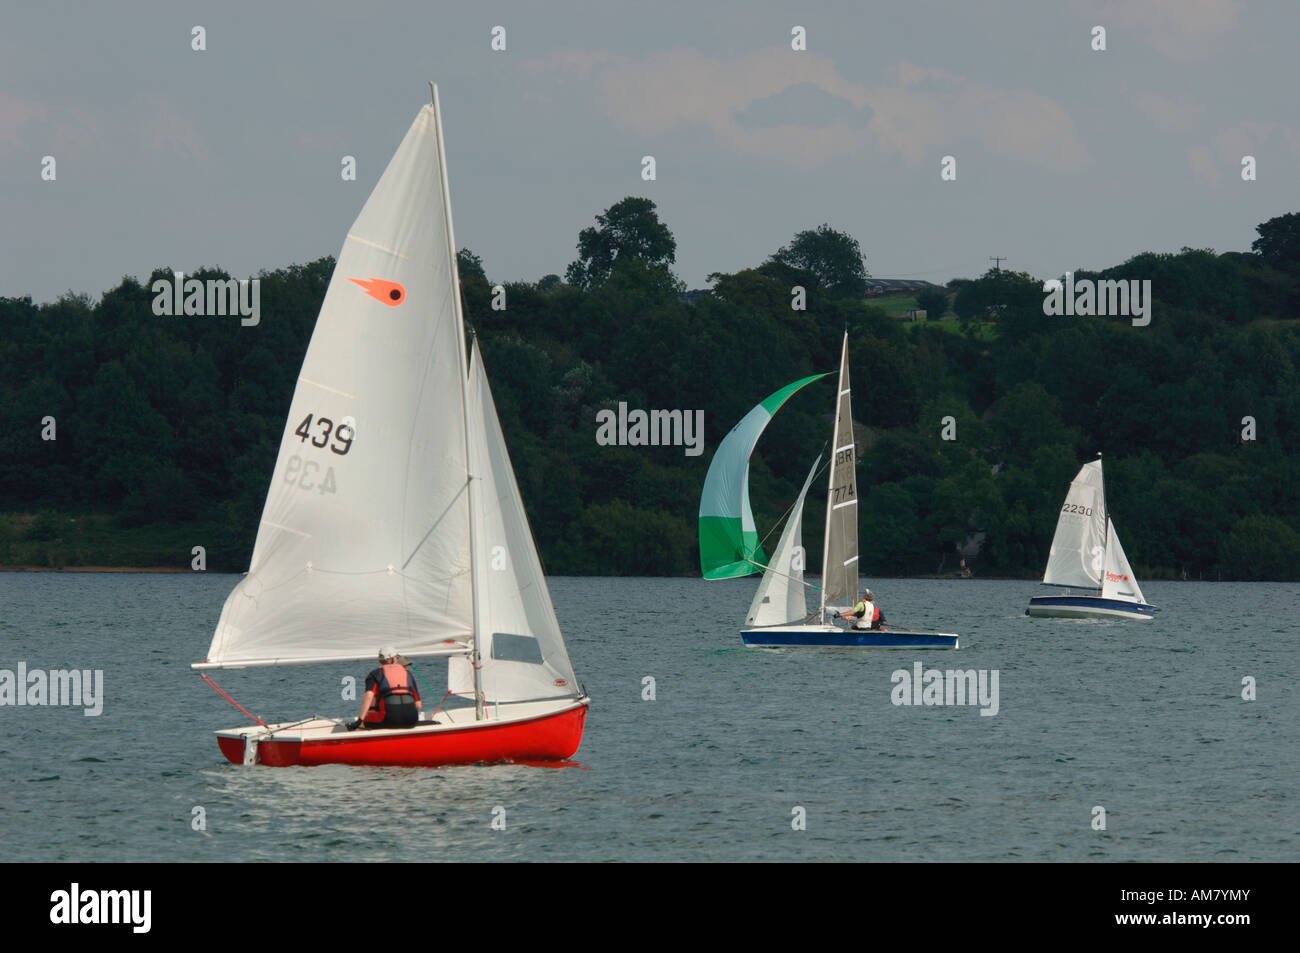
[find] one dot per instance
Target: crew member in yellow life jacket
(392, 699)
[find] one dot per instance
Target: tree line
(168, 427)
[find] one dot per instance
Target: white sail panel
(522, 650)
(364, 539)
(781, 594)
(840, 552)
(1079, 546)
(1119, 581)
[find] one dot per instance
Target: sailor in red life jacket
(392, 699)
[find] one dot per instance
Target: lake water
(1145, 720)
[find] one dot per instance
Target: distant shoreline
(237, 572)
(96, 569)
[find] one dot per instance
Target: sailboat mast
(1105, 536)
(475, 659)
(830, 493)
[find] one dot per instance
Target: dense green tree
(475, 290)
(122, 435)
(617, 537)
(889, 537)
(470, 266)
(1028, 417)
(933, 301)
(172, 423)
(1000, 295)
(834, 257)
(1279, 240)
(963, 504)
(1260, 547)
(627, 229)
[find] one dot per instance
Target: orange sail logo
(387, 292)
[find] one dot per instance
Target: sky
(1066, 157)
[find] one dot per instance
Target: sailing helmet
(866, 594)
(387, 652)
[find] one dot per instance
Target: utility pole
(997, 281)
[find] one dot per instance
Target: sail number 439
(305, 474)
(324, 429)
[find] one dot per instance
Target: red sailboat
(393, 516)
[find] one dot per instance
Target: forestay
(1078, 548)
(364, 538)
(781, 592)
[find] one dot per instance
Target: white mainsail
(522, 651)
(781, 597)
(364, 538)
(840, 551)
(1078, 549)
(1118, 581)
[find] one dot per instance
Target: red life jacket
(393, 680)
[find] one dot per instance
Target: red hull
(547, 738)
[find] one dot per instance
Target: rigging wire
(781, 519)
(779, 573)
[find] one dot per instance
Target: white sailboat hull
(1088, 607)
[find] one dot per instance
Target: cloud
(154, 123)
(813, 105)
(15, 113)
(1266, 141)
(164, 127)
(1170, 115)
(1182, 30)
(1203, 167)
(920, 115)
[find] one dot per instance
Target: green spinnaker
(729, 544)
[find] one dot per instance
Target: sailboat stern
(243, 745)
(232, 746)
